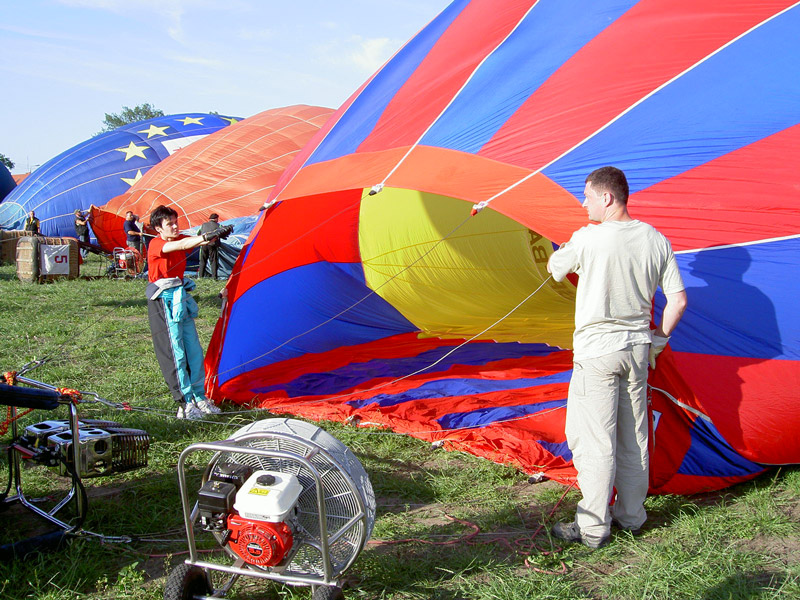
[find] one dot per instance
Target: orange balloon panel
(229, 174)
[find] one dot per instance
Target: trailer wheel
(186, 582)
(327, 592)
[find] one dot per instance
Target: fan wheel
(327, 592)
(186, 582)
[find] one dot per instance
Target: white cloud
(55, 75)
(257, 35)
(170, 11)
(129, 6)
(366, 54)
(371, 53)
(41, 34)
(197, 60)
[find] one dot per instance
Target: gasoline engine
(254, 511)
(103, 447)
(285, 499)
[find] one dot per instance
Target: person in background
(32, 223)
(209, 253)
(171, 312)
(620, 262)
(133, 235)
(148, 233)
(82, 230)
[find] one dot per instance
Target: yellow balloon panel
(453, 275)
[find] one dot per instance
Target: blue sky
(65, 63)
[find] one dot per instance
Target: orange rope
(518, 546)
(72, 394)
(563, 568)
(561, 571)
(9, 419)
(10, 378)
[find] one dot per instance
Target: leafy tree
(130, 115)
(6, 161)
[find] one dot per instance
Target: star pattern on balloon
(91, 172)
(154, 130)
(191, 120)
(230, 119)
(131, 180)
(133, 150)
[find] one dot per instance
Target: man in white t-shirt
(620, 262)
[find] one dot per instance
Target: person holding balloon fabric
(171, 312)
(620, 262)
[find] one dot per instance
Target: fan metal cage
(348, 499)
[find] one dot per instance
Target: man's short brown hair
(610, 179)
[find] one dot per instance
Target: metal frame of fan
(334, 515)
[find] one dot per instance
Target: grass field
(739, 543)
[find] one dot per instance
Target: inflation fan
(285, 499)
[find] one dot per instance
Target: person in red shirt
(171, 312)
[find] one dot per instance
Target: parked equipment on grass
(76, 448)
(126, 263)
(286, 500)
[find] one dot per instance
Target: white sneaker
(207, 406)
(189, 411)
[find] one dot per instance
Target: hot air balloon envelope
(369, 292)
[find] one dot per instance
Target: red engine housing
(259, 542)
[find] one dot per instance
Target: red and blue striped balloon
(398, 276)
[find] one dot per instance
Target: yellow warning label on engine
(259, 491)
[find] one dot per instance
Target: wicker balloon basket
(44, 259)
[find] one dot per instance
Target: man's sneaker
(633, 532)
(189, 411)
(207, 406)
(570, 532)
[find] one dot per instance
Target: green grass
(739, 543)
